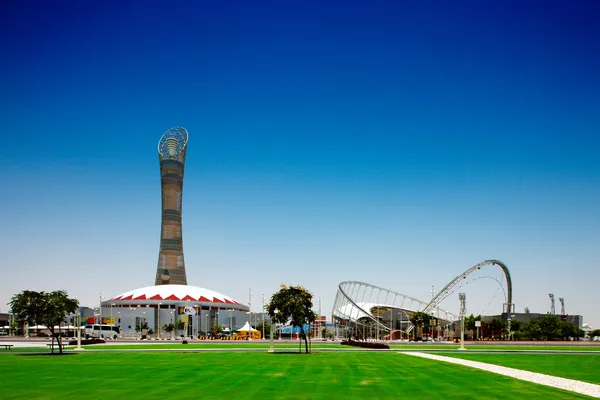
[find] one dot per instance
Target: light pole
(142, 320)
(132, 322)
(100, 315)
(250, 313)
(111, 321)
(206, 326)
(198, 321)
(263, 315)
(173, 325)
(463, 299)
(158, 325)
(78, 317)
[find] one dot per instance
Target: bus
(102, 331)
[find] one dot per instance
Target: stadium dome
(176, 295)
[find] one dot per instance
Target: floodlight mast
(463, 310)
(172, 149)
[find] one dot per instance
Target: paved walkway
(588, 389)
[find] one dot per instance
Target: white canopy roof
(247, 328)
(175, 294)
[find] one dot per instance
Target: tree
(549, 326)
(292, 305)
(470, 323)
(420, 319)
(594, 333)
(42, 308)
(180, 325)
(326, 333)
(169, 328)
(532, 330)
(568, 329)
(497, 325)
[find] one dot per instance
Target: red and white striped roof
(175, 294)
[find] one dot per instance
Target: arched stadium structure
(367, 311)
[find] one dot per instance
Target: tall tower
(171, 154)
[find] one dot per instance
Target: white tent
(38, 327)
(247, 328)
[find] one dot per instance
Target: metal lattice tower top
(173, 144)
(552, 307)
(463, 304)
(562, 306)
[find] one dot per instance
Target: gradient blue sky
(396, 143)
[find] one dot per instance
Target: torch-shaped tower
(171, 154)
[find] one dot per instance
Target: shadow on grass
(45, 354)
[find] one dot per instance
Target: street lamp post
(263, 315)
(78, 317)
(198, 321)
(100, 315)
(250, 313)
(142, 319)
(158, 325)
(463, 299)
(206, 326)
(132, 322)
(172, 324)
(111, 321)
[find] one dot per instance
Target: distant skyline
(396, 143)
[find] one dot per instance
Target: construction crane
(552, 308)
(562, 306)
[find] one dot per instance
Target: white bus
(102, 331)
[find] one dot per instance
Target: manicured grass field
(580, 367)
(166, 375)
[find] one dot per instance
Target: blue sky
(397, 144)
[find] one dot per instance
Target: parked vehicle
(102, 331)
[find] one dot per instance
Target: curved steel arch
(342, 289)
(442, 294)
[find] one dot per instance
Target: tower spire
(172, 149)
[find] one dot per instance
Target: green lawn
(176, 345)
(580, 367)
(247, 375)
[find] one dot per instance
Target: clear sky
(396, 143)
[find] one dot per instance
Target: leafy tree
(420, 319)
(180, 325)
(532, 330)
(594, 333)
(292, 305)
(497, 325)
(14, 327)
(326, 333)
(470, 322)
(568, 329)
(515, 326)
(169, 328)
(44, 308)
(550, 327)
(142, 326)
(218, 328)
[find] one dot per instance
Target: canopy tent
(247, 328)
(248, 331)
